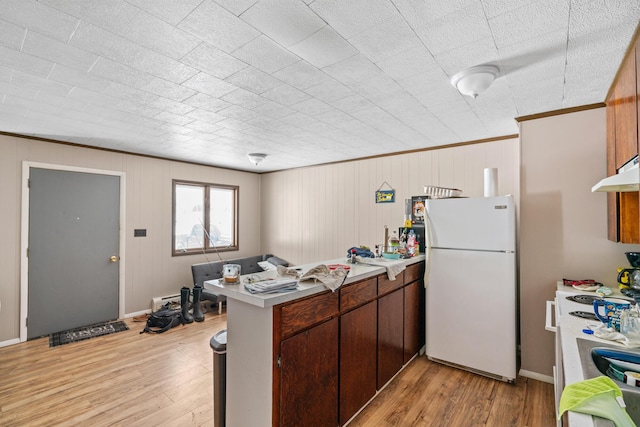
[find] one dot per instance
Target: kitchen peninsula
(316, 357)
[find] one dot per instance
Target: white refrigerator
(470, 281)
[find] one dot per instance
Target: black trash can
(219, 346)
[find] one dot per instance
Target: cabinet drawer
(307, 312)
(356, 294)
(385, 285)
(414, 272)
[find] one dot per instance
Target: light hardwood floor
(128, 379)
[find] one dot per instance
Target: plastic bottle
(394, 242)
(411, 243)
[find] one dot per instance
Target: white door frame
(24, 236)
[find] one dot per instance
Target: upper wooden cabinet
(623, 135)
(626, 114)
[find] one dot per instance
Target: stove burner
(583, 299)
(584, 315)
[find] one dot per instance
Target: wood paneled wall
(317, 213)
(150, 270)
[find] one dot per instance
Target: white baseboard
(9, 342)
(137, 313)
(536, 376)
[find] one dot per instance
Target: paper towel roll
(490, 182)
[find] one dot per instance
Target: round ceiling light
(256, 158)
(475, 80)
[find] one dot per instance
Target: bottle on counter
(411, 243)
(394, 242)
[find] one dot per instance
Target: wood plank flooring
(128, 379)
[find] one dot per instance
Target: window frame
(207, 186)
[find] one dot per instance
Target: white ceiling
(306, 82)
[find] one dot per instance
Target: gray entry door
(73, 250)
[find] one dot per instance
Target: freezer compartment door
(471, 310)
(482, 223)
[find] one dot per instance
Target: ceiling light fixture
(474, 80)
(256, 158)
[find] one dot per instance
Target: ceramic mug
(613, 308)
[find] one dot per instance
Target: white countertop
(571, 329)
(357, 272)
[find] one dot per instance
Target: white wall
(563, 225)
(318, 213)
(150, 270)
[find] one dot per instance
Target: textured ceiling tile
(527, 59)
(8, 88)
(252, 79)
(73, 77)
(112, 15)
(385, 39)
(94, 39)
(219, 27)
(611, 39)
(238, 113)
(455, 30)
(353, 70)
(475, 53)
(213, 61)
(244, 98)
(6, 73)
(266, 55)
(352, 103)
(498, 7)
(349, 18)
(130, 94)
(170, 11)
(594, 16)
(210, 85)
(407, 63)
(171, 106)
(273, 110)
(285, 95)
(311, 107)
(205, 116)
(206, 102)
(27, 63)
(324, 48)
(111, 70)
(56, 51)
(299, 119)
(176, 119)
(160, 36)
(11, 35)
(529, 21)
(39, 17)
(237, 7)
(419, 12)
(167, 89)
(287, 22)
(301, 75)
(329, 91)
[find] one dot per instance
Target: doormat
(86, 332)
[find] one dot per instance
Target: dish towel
(287, 272)
(331, 279)
(393, 267)
(601, 331)
(598, 396)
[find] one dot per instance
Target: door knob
(113, 258)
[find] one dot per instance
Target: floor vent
(158, 302)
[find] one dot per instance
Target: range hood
(627, 179)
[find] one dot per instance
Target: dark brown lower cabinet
(309, 373)
(357, 359)
(414, 325)
(390, 335)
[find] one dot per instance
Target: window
(205, 217)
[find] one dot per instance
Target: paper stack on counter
(272, 286)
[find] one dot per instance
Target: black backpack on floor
(163, 320)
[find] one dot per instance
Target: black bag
(163, 320)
